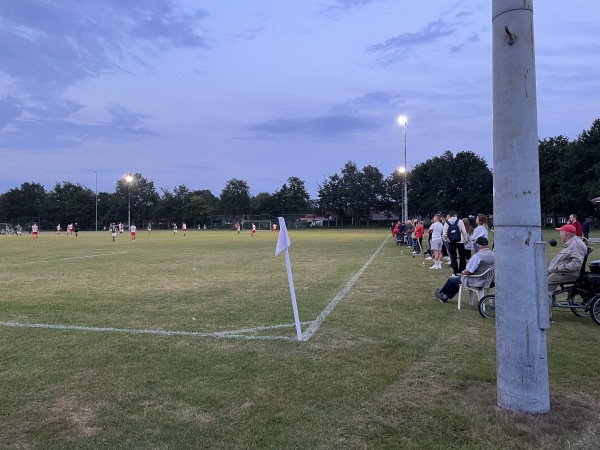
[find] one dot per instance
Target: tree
(197, 209)
(263, 203)
(69, 202)
(29, 200)
(235, 198)
(553, 152)
(463, 183)
(292, 198)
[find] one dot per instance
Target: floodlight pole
(96, 173)
(520, 267)
(129, 179)
(401, 120)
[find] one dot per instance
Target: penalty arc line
(329, 308)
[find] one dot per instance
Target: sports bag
(454, 232)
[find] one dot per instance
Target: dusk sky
(198, 92)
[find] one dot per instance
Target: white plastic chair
(480, 291)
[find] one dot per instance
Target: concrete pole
(405, 216)
(521, 290)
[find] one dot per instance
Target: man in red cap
(566, 266)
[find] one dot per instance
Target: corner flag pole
(283, 243)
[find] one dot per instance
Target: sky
(200, 92)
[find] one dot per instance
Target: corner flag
(283, 241)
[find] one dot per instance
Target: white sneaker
(434, 267)
(429, 257)
(447, 258)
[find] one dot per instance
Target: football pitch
(173, 341)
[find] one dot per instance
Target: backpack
(454, 232)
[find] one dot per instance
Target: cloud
(48, 46)
(10, 109)
(69, 41)
(402, 46)
(474, 37)
(51, 126)
(326, 126)
(343, 6)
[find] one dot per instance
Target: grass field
(173, 342)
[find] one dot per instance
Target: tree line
(569, 179)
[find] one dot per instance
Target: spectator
(566, 266)
(573, 221)
(479, 263)
(469, 241)
(410, 228)
(436, 229)
(419, 231)
(480, 230)
(455, 234)
(585, 228)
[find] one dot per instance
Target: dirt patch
(570, 423)
(80, 417)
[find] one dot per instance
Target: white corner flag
(283, 243)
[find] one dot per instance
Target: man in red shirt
(573, 221)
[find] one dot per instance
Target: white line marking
(221, 334)
(65, 259)
(319, 320)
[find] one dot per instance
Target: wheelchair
(582, 296)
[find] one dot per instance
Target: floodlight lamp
(402, 120)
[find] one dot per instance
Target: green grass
(389, 368)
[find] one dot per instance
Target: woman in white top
(480, 230)
(436, 229)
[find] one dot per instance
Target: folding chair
(488, 275)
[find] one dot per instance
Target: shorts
(436, 244)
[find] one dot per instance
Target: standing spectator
(455, 234)
(34, 231)
(419, 231)
(410, 228)
(132, 230)
(58, 229)
(480, 230)
(566, 266)
(585, 228)
(436, 229)
(469, 241)
(573, 221)
(396, 230)
(76, 228)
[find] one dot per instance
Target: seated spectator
(566, 266)
(479, 263)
